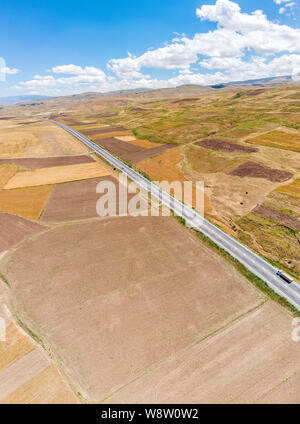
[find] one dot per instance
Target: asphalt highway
(256, 264)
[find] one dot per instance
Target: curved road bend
(256, 264)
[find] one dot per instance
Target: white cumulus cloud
(241, 46)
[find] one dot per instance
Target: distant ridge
(12, 100)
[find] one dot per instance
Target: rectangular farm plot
(78, 200)
(28, 202)
(143, 287)
(34, 163)
(7, 171)
(243, 363)
(133, 153)
(291, 190)
(47, 387)
(56, 175)
(15, 346)
(14, 229)
(279, 140)
(145, 144)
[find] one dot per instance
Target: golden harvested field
(204, 161)
(47, 387)
(15, 347)
(278, 139)
(26, 373)
(141, 143)
(164, 167)
(7, 171)
(57, 174)
(109, 134)
(28, 202)
(291, 190)
(37, 139)
(168, 167)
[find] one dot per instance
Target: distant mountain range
(12, 100)
(187, 89)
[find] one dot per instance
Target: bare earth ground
(14, 229)
(232, 366)
(93, 282)
(77, 200)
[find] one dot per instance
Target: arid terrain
(141, 309)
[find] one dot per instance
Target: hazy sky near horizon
(66, 47)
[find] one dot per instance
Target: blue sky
(64, 47)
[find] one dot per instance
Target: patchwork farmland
(140, 309)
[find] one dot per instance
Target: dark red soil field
(120, 148)
(148, 153)
(279, 217)
(35, 163)
(103, 130)
(130, 152)
(14, 229)
(226, 146)
(253, 169)
(256, 92)
(190, 99)
(77, 200)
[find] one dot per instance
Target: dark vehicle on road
(284, 277)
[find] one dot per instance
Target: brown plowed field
(143, 287)
(35, 163)
(130, 152)
(14, 229)
(276, 216)
(149, 153)
(256, 170)
(245, 363)
(57, 174)
(226, 146)
(28, 202)
(77, 200)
